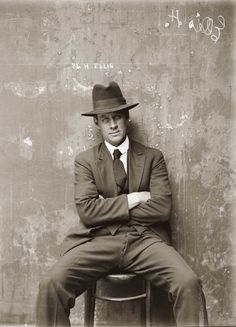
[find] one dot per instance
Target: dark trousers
(145, 255)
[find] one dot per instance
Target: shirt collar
(123, 147)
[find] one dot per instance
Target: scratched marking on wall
(25, 146)
(182, 120)
(205, 25)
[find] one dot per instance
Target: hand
(144, 196)
(136, 198)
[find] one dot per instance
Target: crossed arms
(146, 207)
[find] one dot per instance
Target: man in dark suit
(123, 199)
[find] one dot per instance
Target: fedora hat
(108, 99)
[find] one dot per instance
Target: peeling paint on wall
(26, 90)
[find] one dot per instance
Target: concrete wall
(177, 59)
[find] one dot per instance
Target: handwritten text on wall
(205, 25)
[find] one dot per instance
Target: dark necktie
(119, 170)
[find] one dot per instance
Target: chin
(117, 141)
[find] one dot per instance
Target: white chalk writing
(96, 65)
(175, 16)
(204, 25)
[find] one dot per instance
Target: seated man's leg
(71, 276)
(163, 266)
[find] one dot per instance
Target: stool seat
(91, 295)
(120, 277)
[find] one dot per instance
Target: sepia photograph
(117, 163)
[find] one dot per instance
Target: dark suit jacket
(94, 176)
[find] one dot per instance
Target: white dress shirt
(123, 147)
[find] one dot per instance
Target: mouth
(115, 133)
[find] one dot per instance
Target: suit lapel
(136, 166)
(105, 169)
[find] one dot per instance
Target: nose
(113, 124)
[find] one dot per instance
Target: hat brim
(108, 111)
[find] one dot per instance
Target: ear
(95, 119)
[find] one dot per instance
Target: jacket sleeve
(94, 211)
(158, 208)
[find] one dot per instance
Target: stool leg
(89, 307)
(143, 313)
(148, 304)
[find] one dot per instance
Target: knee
(46, 283)
(51, 281)
(189, 283)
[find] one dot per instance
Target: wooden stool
(91, 295)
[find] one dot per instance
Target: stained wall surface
(177, 60)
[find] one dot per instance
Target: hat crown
(107, 97)
(100, 92)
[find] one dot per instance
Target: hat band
(109, 103)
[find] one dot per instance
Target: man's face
(113, 127)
